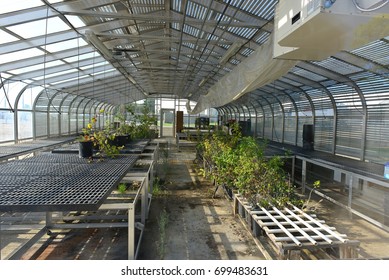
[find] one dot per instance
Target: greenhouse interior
(194, 129)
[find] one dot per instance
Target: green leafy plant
(142, 122)
(158, 190)
(239, 163)
(315, 186)
(122, 188)
(104, 142)
(89, 130)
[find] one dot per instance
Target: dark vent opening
(296, 18)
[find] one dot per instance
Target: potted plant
(105, 141)
(120, 127)
(86, 141)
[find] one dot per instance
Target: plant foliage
(239, 163)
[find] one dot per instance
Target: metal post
(0, 238)
(303, 176)
(131, 232)
(350, 191)
(144, 198)
(49, 219)
(293, 168)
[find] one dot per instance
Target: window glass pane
(12, 90)
(41, 124)
(28, 97)
(24, 125)
(64, 123)
(6, 126)
(54, 128)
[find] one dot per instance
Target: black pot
(85, 149)
(121, 140)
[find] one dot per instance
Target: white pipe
(302, 238)
(298, 243)
(371, 9)
(326, 228)
(291, 230)
(295, 226)
(310, 227)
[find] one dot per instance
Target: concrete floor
(196, 226)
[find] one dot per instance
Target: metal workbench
(16, 150)
(64, 183)
(59, 182)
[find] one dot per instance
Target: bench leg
(293, 254)
(348, 252)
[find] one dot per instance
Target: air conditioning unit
(316, 29)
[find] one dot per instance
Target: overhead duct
(259, 70)
(317, 29)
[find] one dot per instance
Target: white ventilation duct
(317, 29)
(259, 70)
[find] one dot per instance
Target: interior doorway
(168, 123)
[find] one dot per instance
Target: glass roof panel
(54, 1)
(377, 51)
(338, 66)
(17, 5)
(14, 56)
(38, 27)
(66, 45)
(5, 76)
(307, 74)
(56, 74)
(177, 5)
(82, 57)
(75, 21)
(6, 38)
(36, 67)
(94, 65)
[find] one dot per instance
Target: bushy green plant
(122, 187)
(104, 142)
(140, 122)
(239, 163)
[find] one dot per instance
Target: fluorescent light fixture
(92, 38)
(230, 52)
(131, 79)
